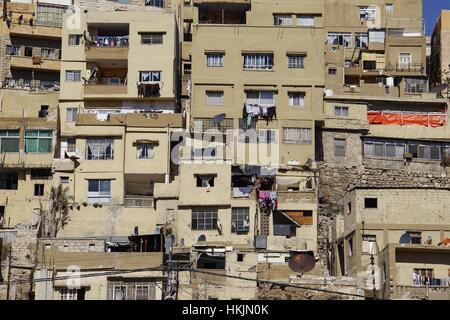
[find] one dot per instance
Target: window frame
(258, 61)
(148, 147)
(96, 142)
(293, 63)
(157, 74)
(72, 75)
(279, 20)
(214, 100)
(70, 114)
(99, 196)
(340, 150)
(303, 132)
(215, 59)
(367, 201)
(78, 39)
(6, 137)
(240, 220)
(301, 99)
(341, 112)
(208, 223)
(39, 139)
(152, 38)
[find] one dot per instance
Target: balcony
(406, 69)
(433, 292)
(63, 165)
(35, 63)
(30, 85)
(137, 201)
(222, 13)
(34, 30)
(107, 47)
(105, 86)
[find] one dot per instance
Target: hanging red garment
(414, 118)
(437, 120)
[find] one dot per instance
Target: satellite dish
(218, 119)
(302, 262)
(439, 88)
(405, 238)
(201, 238)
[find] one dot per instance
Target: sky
(431, 11)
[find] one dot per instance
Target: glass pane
(105, 186)
(93, 185)
(379, 150)
(45, 145)
(31, 133)
(31, 145)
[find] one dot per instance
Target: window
(50, 15)
(368, 243)
(305, 21)
(367, 13)
(155, 3)
(339, 38)
(9, 141)
(71, 114)
(68, 294)
(282, 226)
(146, 151)
(99, 191)
(361, 40)
(142, 292)
(296, 99)
(73, 75)
(41, 174)
(38, 141)
(240, 258)
(261, 98)
(296, 61)
(258, 61)
(28, 51)
(423, 277)
(71, 145)
(9, 180)
(376, 36)
(297, 135)
(370, 203)
(267, 136)
(340, 111)
(384, 148)
(416, 85)
(148, 76)
(204, 218)
(74, 39)
(350, 247)
(214, 59)
(152, 38)
(282, 20)
(389, 7)
(240, 220)
(404, 60)
(214, 98)
(63, 179)
(205, 180)
(339, 147)
(38, 189)
(416, 237)
(47, 53)
(120, 293)
(332, 71)
(13, 50)
(100, 149)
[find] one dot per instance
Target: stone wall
(72, 245)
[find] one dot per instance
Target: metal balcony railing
(109, 41)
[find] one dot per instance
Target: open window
(205, 180)
(284, 224)
(208, 260)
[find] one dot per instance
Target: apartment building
(440, 52)
(403, 230)
(117, 109)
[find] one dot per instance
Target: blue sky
(431, 10)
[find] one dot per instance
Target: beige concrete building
(440, 51)
(404, 230)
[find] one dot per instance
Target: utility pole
(170, 272)
(9, 273)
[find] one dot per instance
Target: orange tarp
(433, 120)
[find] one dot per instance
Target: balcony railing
(413, 67)
(109, 41)
(32, 85)
(134, 201)
(110, 81)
